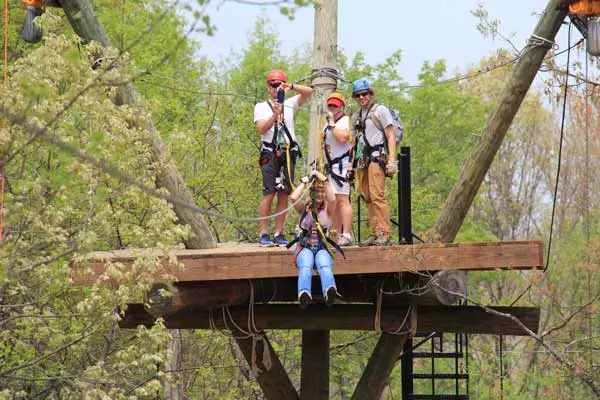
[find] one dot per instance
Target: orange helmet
(276, 75)
(336, 99)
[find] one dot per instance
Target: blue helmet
(361, 84)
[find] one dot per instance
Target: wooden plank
(458, 319)
(314, 379)
(248, 261)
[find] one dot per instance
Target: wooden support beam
(314, 380)
(248, 261)
(375, 366)
(362, 317)
(271, 376)
(397, 289)
(463, 192)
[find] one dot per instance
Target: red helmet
(276, 75)
(336, 99)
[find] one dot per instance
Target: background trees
(59, 341)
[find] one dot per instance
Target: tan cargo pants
(373, 190)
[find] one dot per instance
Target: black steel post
(404, 200)
(405, 237)
(358, 215)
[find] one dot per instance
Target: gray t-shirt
(374, 135)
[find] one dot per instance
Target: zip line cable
(339, 77)
(559, 161)
(151, 191)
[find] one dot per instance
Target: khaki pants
(373, 190)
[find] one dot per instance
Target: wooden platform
(249, 261)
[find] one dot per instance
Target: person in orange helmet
(274, 119)
(337, 144)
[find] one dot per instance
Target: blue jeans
(306, 260)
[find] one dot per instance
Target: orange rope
(4, 121)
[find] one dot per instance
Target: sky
(424, 31)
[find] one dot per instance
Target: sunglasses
(361, 94)
(275, 85)
(333, 106)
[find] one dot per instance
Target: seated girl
(314, 247)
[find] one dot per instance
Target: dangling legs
(324, 264)
(305, 260)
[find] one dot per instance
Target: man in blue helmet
(375, 157)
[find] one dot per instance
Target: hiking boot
(382, 240)
(345, 241)
(330, 296)
(265, 241)
(370, 241)
(280, 240)
(304, 298)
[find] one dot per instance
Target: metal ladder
(436, 347)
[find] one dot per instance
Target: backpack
(398, 127)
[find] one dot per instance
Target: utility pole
(314, 380)
(324, 69)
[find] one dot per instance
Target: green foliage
(59, 341)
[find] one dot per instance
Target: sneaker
(370, 241)
(382, 240)
(304, 298)
(345, 241)
(330, 296)
(265, 241)
(280, 240)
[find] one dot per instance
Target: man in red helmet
(274, 120)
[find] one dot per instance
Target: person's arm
(340, 130)
(302, 90)
(264, 125)
(391, 143)
(300, 205)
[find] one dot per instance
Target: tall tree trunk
(459, 201)
(84, 22)
(82, 18)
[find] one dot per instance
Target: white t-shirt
(332, 145)
(262, 111)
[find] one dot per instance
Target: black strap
(293, 144)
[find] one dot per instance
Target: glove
(391, 169)
(330, 119)
(317, 175)
(304, 179)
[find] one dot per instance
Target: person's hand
(277, 107)
(286, 86)
(330, 120)
(304, 179)
(317, 175)
(391, 169)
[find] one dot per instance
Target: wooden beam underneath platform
(248, 261)
(360, 317)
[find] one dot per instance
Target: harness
(325, 242)
(369, 149)
(338, 178)
(273, 145)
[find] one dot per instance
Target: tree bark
(461, 196)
